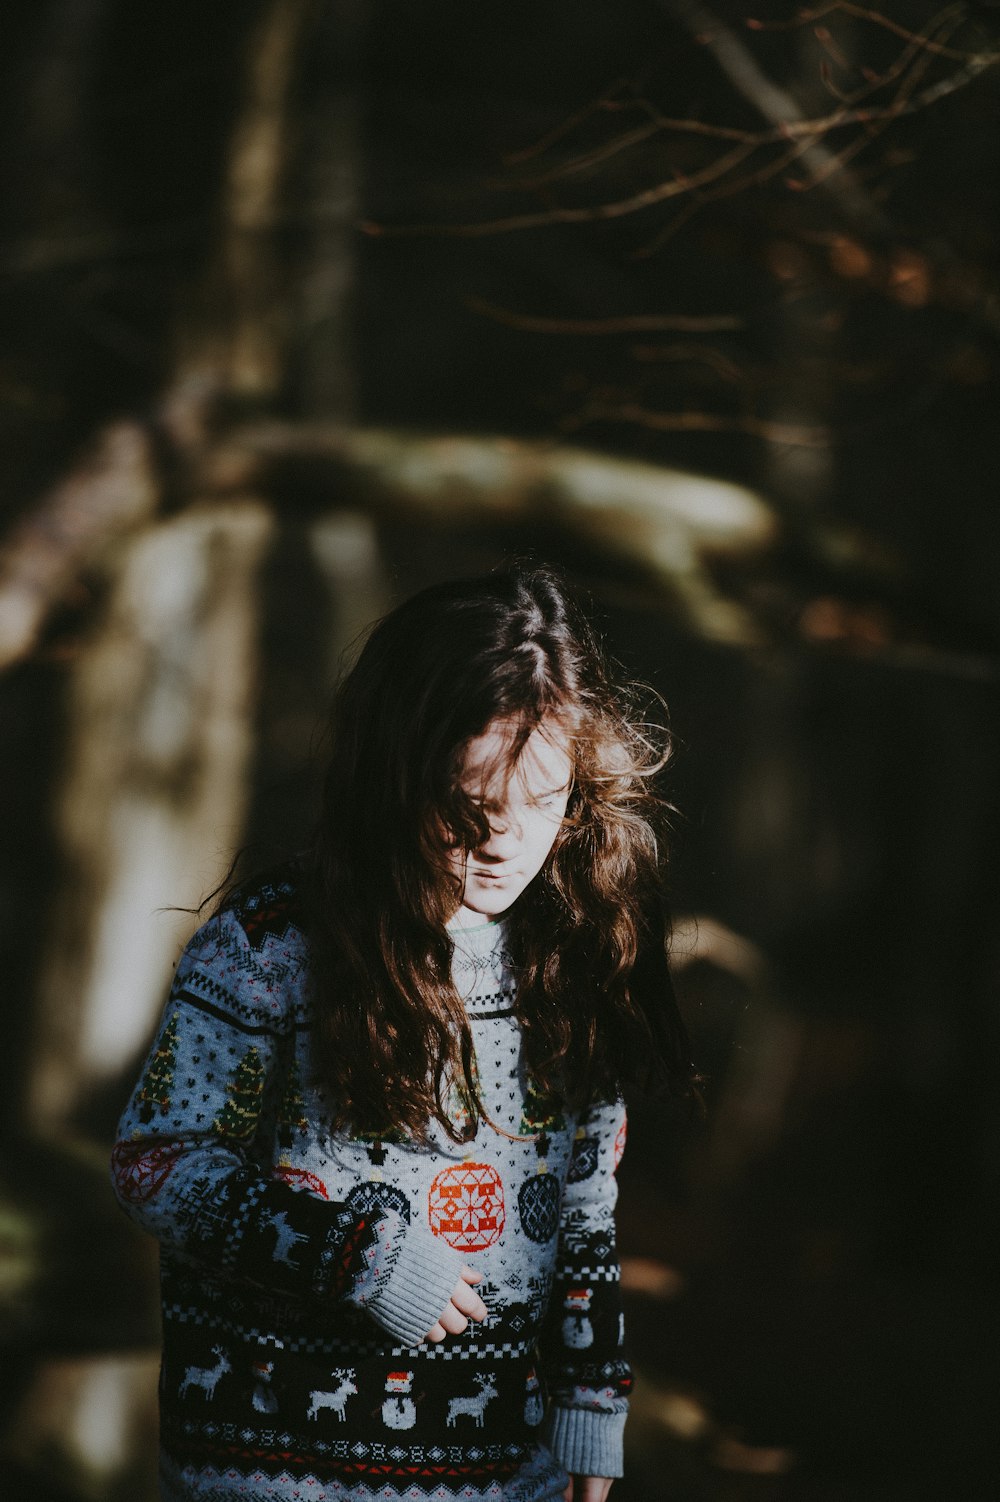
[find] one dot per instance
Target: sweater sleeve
(582, 1347)
(192, 1165)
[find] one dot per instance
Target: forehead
(544, 764)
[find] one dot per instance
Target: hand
(464, 1304)
(587, 1489)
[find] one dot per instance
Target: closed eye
(553, 795)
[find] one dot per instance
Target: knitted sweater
(302, 1267)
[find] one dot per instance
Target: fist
(464, 1304)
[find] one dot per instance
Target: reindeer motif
(206, 1377)
(285, 1239)
(475, 1406)
(337, 1400)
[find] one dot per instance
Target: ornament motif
(538, 1203)
(620, 1141)
(375, 1195)
(139, 1170)
(465, 1206)
(584, 1160)
(300, 1178)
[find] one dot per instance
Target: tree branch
(639, 323)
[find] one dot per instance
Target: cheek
(544, 837)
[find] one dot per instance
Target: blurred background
(309, 303)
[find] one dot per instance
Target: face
(524, 809)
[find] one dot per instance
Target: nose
(504, 837)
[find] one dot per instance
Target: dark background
(380, 269)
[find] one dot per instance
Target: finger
(436, 1332)
(453, 1320)
(591, 1488)
(468, 1275)
(468, 1301)
(568, 1493)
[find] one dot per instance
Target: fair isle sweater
(301, 1267)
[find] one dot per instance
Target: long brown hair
(589, 933)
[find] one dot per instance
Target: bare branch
(826, 166)
(774, 103)
(606, 101)
(110, 491)
(636, 415)
(639, 323)
(588, 159)
(618, 209)
(724, 190)
(691, 354)
(862, 13)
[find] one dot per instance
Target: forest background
(308, 303)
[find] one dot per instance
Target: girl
(377, 1132)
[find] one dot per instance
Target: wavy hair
(589, 933)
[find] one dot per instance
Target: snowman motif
(577, 1331)
(399, 1410)
(263, 1399)
(533, 1407)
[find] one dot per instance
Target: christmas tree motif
(292, 1109)
(238, 1116)
(158, 1081)
(540, 1114)
(376, 1138)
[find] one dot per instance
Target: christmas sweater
(302, 1266)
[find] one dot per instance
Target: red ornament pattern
(140, 1170)
(300, 1178)
(465, 1206)
(620, 1141)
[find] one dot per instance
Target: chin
(490, 904)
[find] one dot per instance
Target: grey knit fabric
(301, 1267)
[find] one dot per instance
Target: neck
(465, 920)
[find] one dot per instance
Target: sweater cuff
(586, 1441)
(418, 1288)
